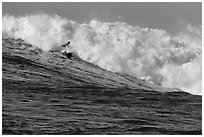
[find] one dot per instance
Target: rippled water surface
(54, 95)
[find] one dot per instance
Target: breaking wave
(174, 60)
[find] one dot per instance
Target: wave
(174, 60)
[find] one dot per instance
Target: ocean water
(47, 93)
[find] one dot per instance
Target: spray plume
(174, 60)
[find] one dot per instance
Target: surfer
(65, 47)
(66, 50)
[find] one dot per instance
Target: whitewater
(171, 59)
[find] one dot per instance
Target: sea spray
(174, 60)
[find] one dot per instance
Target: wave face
(174, 60)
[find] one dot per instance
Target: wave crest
(174, 60)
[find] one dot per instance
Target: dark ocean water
(44, 93)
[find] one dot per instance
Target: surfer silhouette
(66, 51)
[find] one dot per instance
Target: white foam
(174, 60)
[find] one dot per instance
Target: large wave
(174, 60)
